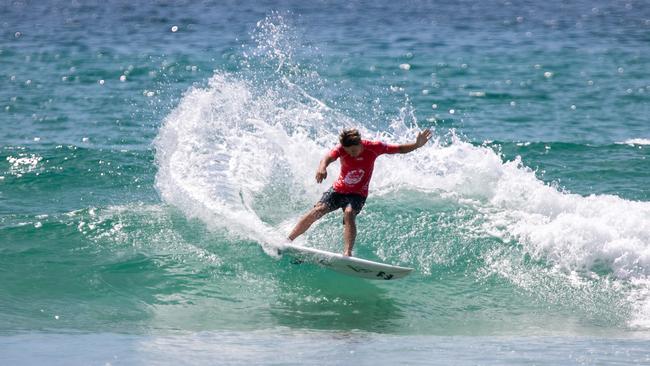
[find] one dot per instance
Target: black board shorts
(335, 200)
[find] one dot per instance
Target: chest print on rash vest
(354, 176)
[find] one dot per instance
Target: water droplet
(123, 78)
(434, 106)
(18, 34)
(175, 29)
(620, 70)
(513, 103)
(85, 139)
(548, 74)
(405, 67)
(452, 111)
(573, 107)
(101, 82)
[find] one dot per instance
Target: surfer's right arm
(321, 172)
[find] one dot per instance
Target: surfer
(350, 190)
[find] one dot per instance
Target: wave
(240, 154)
(634, 142)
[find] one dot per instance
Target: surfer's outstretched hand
(423, 137)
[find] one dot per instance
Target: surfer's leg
(349, 229)
(305, 222)
(329, 202)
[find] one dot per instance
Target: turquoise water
(154, 155)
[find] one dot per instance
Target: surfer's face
(353, 150)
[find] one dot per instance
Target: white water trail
(222, 146)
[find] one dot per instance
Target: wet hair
(350, 137)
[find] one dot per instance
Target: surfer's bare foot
(347, 254)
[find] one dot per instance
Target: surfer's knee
(319, 210)
(349, 214)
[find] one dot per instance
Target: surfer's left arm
(423, 138)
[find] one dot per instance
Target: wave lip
(637, 141)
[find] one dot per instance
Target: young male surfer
(350, 190)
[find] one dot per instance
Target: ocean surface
(153, 154)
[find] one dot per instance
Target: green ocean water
(154, 155)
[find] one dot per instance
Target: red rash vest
(356, 172)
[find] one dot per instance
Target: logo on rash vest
(354, 176)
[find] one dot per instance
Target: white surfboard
(347, 265)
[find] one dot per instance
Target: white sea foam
(572, 231)
(633, 142)
(575, 234)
